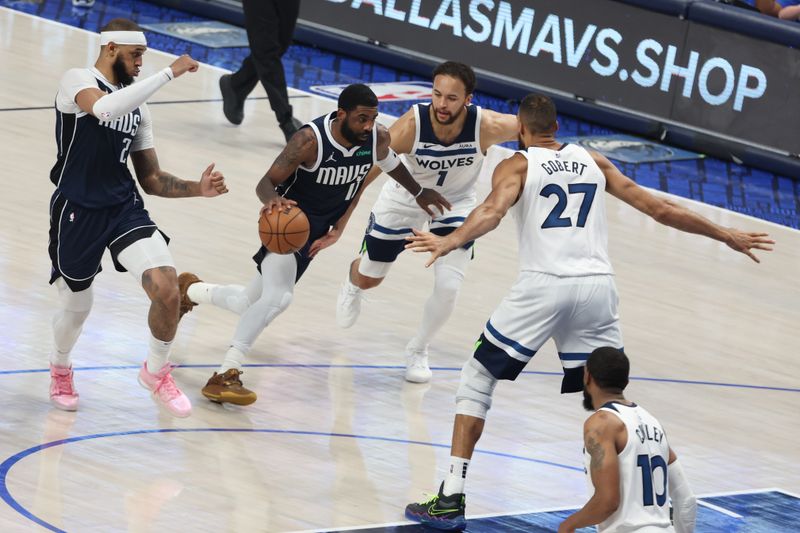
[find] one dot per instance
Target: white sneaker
(417, 370)
(348, 305)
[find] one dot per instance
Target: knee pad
(474, 395)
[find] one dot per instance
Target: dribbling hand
(183, 65)
(277, 202)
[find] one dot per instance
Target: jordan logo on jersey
(331, 159)
(343, 174)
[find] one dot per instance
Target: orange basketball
(284, 231)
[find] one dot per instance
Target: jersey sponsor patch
(386, 92)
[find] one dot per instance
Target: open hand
(212, 182)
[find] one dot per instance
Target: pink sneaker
(164, 390)
(62, 389)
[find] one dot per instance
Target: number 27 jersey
(561, 214)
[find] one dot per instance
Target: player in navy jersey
(101, 119)
(322, 171)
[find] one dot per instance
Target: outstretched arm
(599, 435)
(497, 128)
(508, 180)
(301, 150)
(671, 214)
(159, 182)
(110, 106)
(389, 162)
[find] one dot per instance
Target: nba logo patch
(72, 217)
(386, 92)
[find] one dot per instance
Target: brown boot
(228, 388)
(184, 281)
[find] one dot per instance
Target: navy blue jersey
(325, 190)
(92, 170)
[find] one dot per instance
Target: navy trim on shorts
(496, 360)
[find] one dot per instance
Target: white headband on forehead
(123, 37)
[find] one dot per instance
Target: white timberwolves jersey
(561, 214)
(643, 506)
(450, 169)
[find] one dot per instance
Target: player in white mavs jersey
(630, 465)
(343, 144)
(443, 144)
(565, 289)
(100, 120)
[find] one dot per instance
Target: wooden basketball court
(337, 439)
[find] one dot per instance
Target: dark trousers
(270, 25)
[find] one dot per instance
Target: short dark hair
(610, 368)
(121, 24)
(355, 95)
(538, 113)
(459, 71)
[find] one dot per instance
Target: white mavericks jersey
(561, 214)
(643, 506)
(450, 169)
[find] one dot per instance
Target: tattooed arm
(600, 435)
(161, 183)
(302, 149)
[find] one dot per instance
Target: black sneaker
(290, 127)
(440, 512)
(232, 105)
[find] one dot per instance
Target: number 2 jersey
(92, 165)
(644, 505)
(561, 214)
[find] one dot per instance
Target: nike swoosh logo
(433, 511)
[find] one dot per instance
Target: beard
(350, 134)
(121, 72)
(450, 120)
(588, 404)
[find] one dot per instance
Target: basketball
(284, 231)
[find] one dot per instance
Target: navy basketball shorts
(579, 313)
(79, 237)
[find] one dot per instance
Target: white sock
(233, 359)
(158, 354)
(456, 476)
(60, 359)
(200, 293)
(351, 287)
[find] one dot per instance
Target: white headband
(123, 37)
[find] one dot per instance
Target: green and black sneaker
(440, 512)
